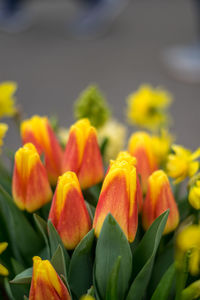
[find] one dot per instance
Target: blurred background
(52, 67)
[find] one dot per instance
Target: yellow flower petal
(3, 246)
(3, 270)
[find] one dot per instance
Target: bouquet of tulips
(86, 215)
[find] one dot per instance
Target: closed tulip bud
(124, 155)
(159, 198)
(30, 186)
(82, 154)
(68, 211)
(119, 197)
(37, 130)
(46, 283)
(140, 146)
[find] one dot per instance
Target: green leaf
(144, 256)
(111, 292)
(17, 267)
(42, 226)
(8, 289)
(165, 258)
(182, 275)
(81, 265)
(21, 234)
(111, 244)
(23, 277)
(58, 261)
(55, 240)
(163, 289)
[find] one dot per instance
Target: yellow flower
(63, 135)
(7, 99)
(147, 107)
(116, 133)
(161, 145)
(3, 270)
(3, 129)
(189, 240)
(182, 163)
(194, 194)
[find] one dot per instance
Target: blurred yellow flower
(3, 130)
(182, 163)
(115, 133)
(147, 107)
(161, 145)
(3, 270)
(194, 195)
(87, 297)
(189, 240)
(7, 99)
(63, 135)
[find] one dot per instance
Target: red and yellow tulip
(38, 131)
(159, 198)
(68, 212)
(119, 197)
(82, 154)
(124, 155)
(46, 283)
(140, 146)
(30, 186)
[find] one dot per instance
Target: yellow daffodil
(147, 107)
(3, 270)
(194, 192)
(7, 99)
(3, 129)
(182, 163)
(115, 133)
(161, 145)
(189, 240)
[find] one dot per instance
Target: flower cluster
(88, 218)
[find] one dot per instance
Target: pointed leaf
(23, 277)
(21, 233)
(144, 257)
(42, 226)
(58, 261)
(55, 240)
(111, 292)
(163, 289)
(111, 244)
(81, 265)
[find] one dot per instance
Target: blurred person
(13, 17)
(96, 17)
(183, 62)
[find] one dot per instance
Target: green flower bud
(91, 104)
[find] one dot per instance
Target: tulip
(159, 198)
(82, 154)
(38, 131)
(140, 146)
(124, 155)
(68, 212)
(30, 186)
(46, 283)
(119, 197)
